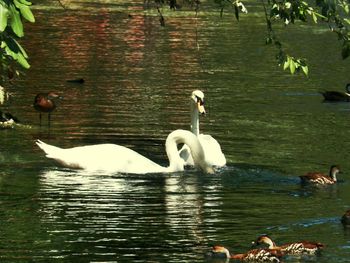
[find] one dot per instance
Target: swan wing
(212, 150)
(105, 157)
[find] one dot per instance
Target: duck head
(263, 239)
(220, 251)
(334, 171)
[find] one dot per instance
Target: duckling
(337, 95)
(319, 178)
(295, 248)
(45, 102)
(254, 255)
(346, 219)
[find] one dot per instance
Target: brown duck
(254, 255)
(295, 248)
(45, 102)
(319, 178)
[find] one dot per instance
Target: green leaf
(16, 22)
(25, 2)
(18, 57)
(23, 61)
(3, 17)
(292, 66)
(286, 63)
(305, 70)
(25, 11)
(314, 17)
(21, 49)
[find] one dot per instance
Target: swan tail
(51, 151)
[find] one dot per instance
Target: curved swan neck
(188, 138)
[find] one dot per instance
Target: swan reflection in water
(125, 206)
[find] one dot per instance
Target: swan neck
(197, 152)
(194, 119)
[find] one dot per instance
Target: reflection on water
(178, 216)
(138, 78)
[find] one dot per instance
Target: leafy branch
(12, 12)
(337, 17)
(237, 5)
(334, 12)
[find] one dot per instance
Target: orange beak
(200, 107)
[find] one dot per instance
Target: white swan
(211, 147)
(116, 158)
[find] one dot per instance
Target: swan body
(295, 248)
(335, 96)
(116, 158)
(211, 147)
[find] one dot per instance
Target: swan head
(206, 167)
(198, 100)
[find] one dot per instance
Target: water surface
(272, 127)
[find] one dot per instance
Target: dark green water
(272, 127)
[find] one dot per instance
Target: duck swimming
(45, 102)
(335, 96)
(254, 255)
(295, 248)
(319, 178)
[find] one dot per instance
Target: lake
(272, 127)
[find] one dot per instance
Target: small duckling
(295, 248)
(319, 178)
(346, 219)
(254, 255)
(335, 96)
